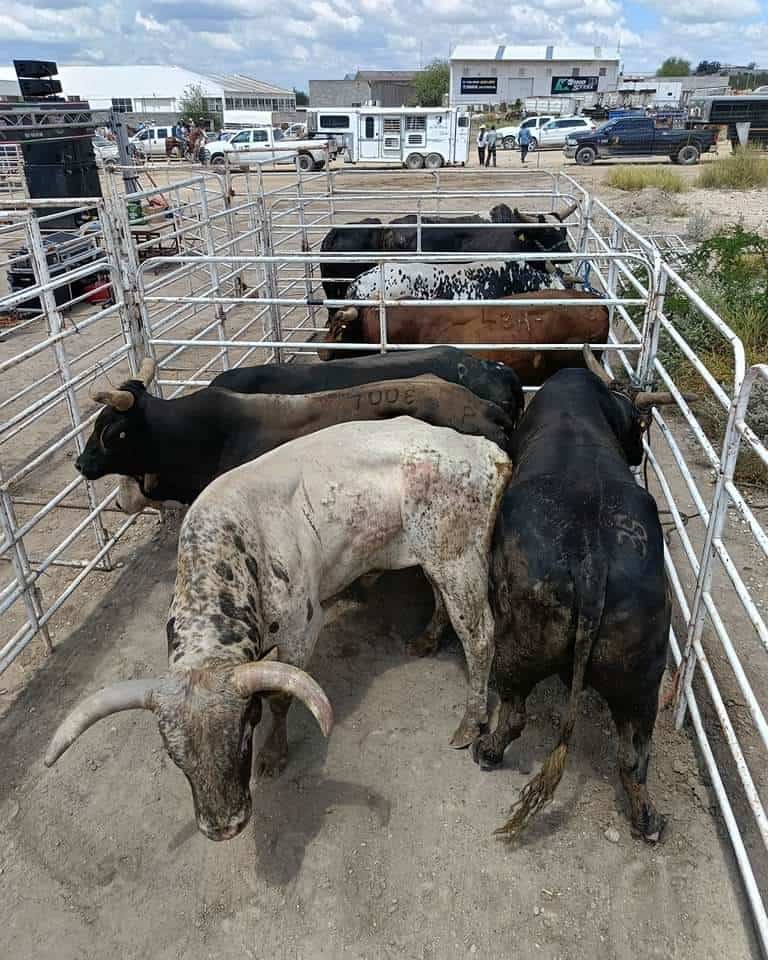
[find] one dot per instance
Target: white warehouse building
(491, 74)
(158, 89)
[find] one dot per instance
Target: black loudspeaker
(34, 89)
(61, 168)
(35, 68)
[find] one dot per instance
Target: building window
(212, 104)
(521, 71)
(369, 128)
(575, 72)
(603, 71)
(122, 104)
(391, 124)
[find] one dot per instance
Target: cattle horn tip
(147, 371)
(595, 366)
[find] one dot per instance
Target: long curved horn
(147, 370)
(121, 400)
(127, 695)
(597, 368)
(271, 676)
(650, 399)
(566, 213)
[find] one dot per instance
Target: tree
(195, 105)
(431, 83)
(708, 67)
(302, 100)
(674, 67)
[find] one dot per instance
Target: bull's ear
(120, 400)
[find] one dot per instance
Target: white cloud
(706, 11)
(220, 41)
(328, 14)
(14, 29)
(149, 23)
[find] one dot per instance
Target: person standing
(524, 142)
(481, 142)
(490, 147)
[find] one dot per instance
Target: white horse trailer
(413, 137)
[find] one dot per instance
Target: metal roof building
(158, 89)
(503, 73)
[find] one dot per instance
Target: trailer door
(369, 137)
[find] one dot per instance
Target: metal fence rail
(225, 270)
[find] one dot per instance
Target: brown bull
(487, 324)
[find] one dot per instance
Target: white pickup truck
(259, 144)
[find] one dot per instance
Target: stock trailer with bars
(241, 286)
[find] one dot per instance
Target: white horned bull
(263, 547)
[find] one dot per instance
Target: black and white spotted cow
(260, 551)
(477, 280)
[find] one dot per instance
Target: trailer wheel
(414, 161)
(586, 156)
(306, 162)
(688, 154)
(433, 162)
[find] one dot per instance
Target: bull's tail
(590, 582)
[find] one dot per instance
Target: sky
(289, 42)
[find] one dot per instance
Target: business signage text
(479, 84)
(574, 84)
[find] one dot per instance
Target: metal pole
(21, 566)
(213, 270)
(55, 327)
(382, 308)
(717, 518)
(652, 323)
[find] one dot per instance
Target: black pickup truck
(639, 137)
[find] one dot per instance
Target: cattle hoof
(423, 646)
(652, 831)
(466, 733)
(484, 753)
(270, 765)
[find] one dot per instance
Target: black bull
(175, 448)
(454, 235)
(577, 581)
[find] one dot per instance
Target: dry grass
(745, 169)
(638, 178)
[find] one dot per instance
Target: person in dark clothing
(481, 144)
(490, 147)
(524, 142)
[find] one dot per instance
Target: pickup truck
(253, 144)
(639, 137)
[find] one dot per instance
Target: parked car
(105, 151)
(639, 137)
(555, 131)
(150, 142)
(251, 145)
(508, 135)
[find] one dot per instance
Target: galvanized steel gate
(238, 282)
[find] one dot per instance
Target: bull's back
(503, 324)
(551, 535)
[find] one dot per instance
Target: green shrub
(638, 178)
(743, 170)
(730, 272)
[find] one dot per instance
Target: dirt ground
(377, 843)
